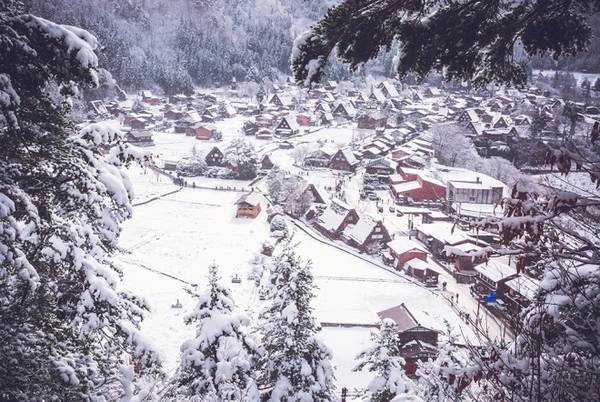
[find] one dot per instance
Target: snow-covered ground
(170, 242)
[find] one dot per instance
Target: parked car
(373, 197)
(392, 208)
(398, 213)
(379, 208)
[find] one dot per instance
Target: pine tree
(444, 36)
(67, 332)
(295, 366)
(539, 122)
(218, 364)
(383, 359)
(438, 379)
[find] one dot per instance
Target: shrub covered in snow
(192, 166)
(279, 227)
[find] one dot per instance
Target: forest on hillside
(181, 43)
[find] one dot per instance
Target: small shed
(248, 206)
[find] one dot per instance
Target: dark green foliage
(473, 40)
(64, 326)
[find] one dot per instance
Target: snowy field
(169, 244)
(592, 77)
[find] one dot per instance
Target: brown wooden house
(335, 219)
(417, 342)
(422, 270)
(343, 159)
(266, 163)
(248, 206)
(403, 249)
(214, 157)
(368, 235)
(317, 194)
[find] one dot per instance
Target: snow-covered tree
(452, 147)
(279, 227)
(298, 200)
(68, 332)
(296, 366)
(274, 181)
(383, 358)
(218, 363)
(242, 159)
(438, 379)
(287, 189)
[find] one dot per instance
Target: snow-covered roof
(334, 215)
(349, 155)
(391, 89)
(478, 210)
(432, 180)
(361, 230)
(401, 245)
(250, 198)
(464, 178)
(495, 269)
(401, 316)
(443, 232)
(524, 285)
(406, 186)
(378, 95)
(417, 263)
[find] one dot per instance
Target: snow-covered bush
(192, 166)
(218, 172)
(267, 248)
(279, 227)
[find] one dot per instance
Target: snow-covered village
(387, 217)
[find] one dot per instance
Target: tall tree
(539, 122)
(295, 366)
(218, 363)
(471, 40)
(383, 358)
(67, 331)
